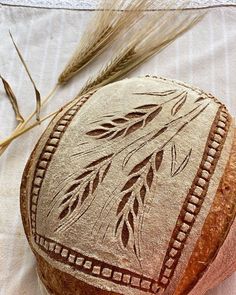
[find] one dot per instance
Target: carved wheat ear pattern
(133, 198)
(129, 123)
(84, 186)
(176, 170)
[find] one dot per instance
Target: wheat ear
(143, 47)
(109, 23)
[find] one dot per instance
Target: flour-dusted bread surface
(119, 189)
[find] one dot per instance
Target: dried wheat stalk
(23, 127)
(161, 33)
(4, 144)
(119, 16)
(13, 100)
(37, 93)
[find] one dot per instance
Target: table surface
(205, 57)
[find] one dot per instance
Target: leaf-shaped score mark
(179, 104)
(106, 171)
(134, 127)
(85, 192)
(119, 121)
(157, 93)
(146, 107)
(99, 161)
(130, 183)
(107, 125)
(127, 224)
(152, 115)
(142, 193)
(97, 132)
(64, 212)
(125, 235)
(158, 159)
(150, 176)
(131, 220)
(177, 170)
(200, 99)
(140, 165)
(136, 206)
(123, 202)
(134, 115)
(129, 123)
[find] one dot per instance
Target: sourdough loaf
(131, 190)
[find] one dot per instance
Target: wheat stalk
(37, 93)
(13, 100)
(4, 144)
(109, 24)
(161, 33)
(22, 126)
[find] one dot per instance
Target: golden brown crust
(23, 199)
(215, 229)
(61, 283)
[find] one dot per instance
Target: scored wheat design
(82, 187)
(133, 196)
(129, 123)
(131, 206)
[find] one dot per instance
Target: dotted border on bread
(94, 267)
(191, 208)
(47, 153)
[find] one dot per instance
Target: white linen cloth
(204, 57)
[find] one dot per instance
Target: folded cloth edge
(92, 4)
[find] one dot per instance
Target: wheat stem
(4, 144)
(44, 101)
(22, 126)
(37, 93)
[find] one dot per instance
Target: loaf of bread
(132, 190)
